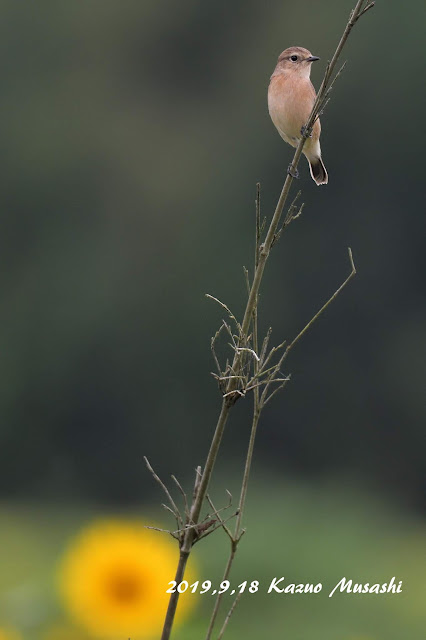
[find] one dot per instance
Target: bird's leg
(293, 172)
(305, 133)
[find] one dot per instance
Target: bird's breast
(290, 101)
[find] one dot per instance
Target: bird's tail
(318, 171)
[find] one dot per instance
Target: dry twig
(246, 370)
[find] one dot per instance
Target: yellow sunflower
(114, 578)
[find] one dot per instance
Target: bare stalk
(228, 615)
(195, 514)
(250, 319)
(235, 538)
(260, 402)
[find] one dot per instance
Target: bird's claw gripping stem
(305, 133)
(293, 172)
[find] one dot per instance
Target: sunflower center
(125, 588)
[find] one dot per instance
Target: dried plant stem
(228, 615)
(234, 539)
(259, 404)
(250, 319)
(238, 531)
(195, 515)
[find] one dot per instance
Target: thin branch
(253, 353)
(324, 307)
(291, 215)
(185, 499)
(292, 208)
(273, 351)
(265, 345)
(265, 398)
(271, 395)
(212, 346)
(167, 508)
(367, 8)
(220, 595)
(215, 528)
(264, 372)
(172, 533)
(174, 509)
(319, 102)
(198, 476)
(328, 91)
(217, 514)
(247, 279)
(222, 304)
(224, 378)
(228, 616)
(231, 394)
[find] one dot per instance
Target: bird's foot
(293, 172)
(305, 133)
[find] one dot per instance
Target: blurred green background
(133, 134)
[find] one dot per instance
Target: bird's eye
(293, 58)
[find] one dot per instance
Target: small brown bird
(291, 96)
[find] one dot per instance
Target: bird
(291, 96)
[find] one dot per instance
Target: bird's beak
(312, 59)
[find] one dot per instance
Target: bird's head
(296, 60)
